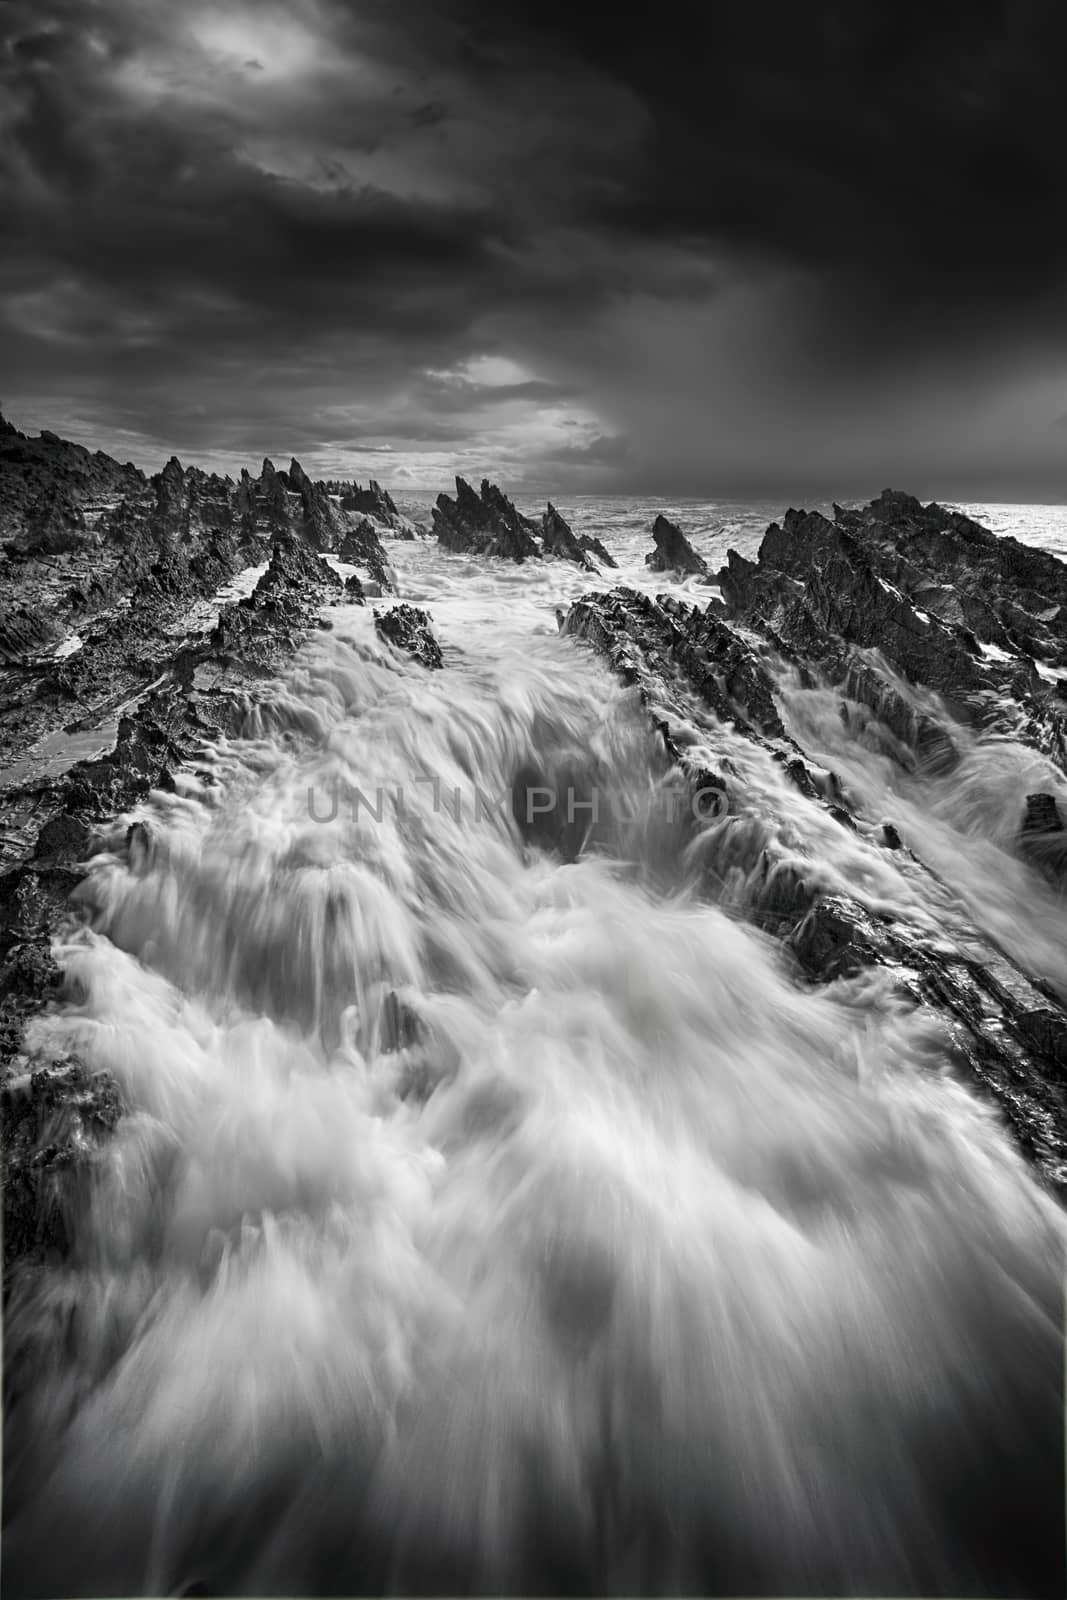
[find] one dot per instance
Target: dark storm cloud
(708, 247)
(219, 216)
(912, 155)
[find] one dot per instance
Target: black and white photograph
(533, 798)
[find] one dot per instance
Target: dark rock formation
(114, 586)
(267, 625)
(832, 593)
(836, 591)
(557, 539)
(673, 552)
(592, 546)
(410, 629)
(323, 523)
(53, 490)
(1007, 593)
(362, 547)
(485, 524)
(373, 502)
(1043, 837)
(1042, 815)
(718, 672)
(727, 671)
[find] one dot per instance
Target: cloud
(721, 248)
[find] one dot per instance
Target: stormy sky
(763, 249)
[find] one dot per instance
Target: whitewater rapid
(504, 1218)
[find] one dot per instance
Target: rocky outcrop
(323, 523)
(484, 524)
(372, 502)
(673, 552)
(558, 540)
(90, 611)
(641, 638)
(362, 547)
(593, 547)
(410, 629)
(1008, 594)
(837, 593)
(820, 604)
(846, 595)
(52, 491)
(488, 524)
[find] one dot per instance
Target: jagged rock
(295, 576)
(834, 589)
(362, 548)
(833, 599)
(1008, 593)
(323, 524)
(278, 611)
(673, 552)
(484, 524)
(1008, 1032)
(47, 485)
(373, 502)
(592, 546)
(723, 666)
(557, 539)
(835, 939)
(410, 629)
(145, 556)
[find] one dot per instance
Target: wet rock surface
(673, 552)
(86, 626)
(488, 524)
(375, 504)
(54, 492)
(410, 629)
(594, 547)
(362, 547)
(485, 523)
(945, 603)
(837, 606)
(558, 539)
(1043, 837)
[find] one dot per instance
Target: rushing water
(507, 1218)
